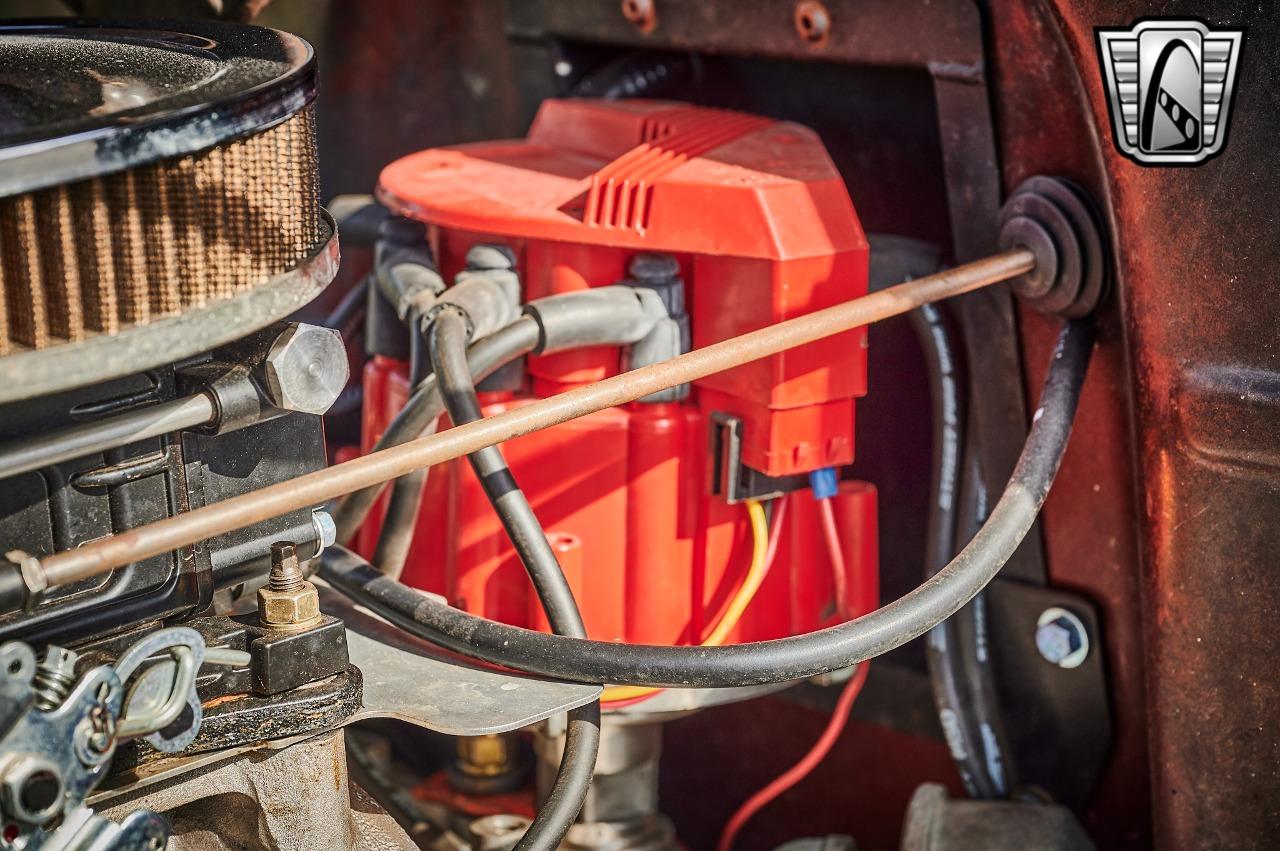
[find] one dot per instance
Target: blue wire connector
(824, 483)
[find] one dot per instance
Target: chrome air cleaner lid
(81, 99)
(159, 194)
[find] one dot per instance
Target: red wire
(630, 701)
(801, 769)
(839, 573)
(775, 531)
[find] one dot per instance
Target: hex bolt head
(306, 369)
(31, 789)
(1061, 638)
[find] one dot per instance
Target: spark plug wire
(447, 350)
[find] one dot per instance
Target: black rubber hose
(638, 75)
(447, 345)
(779, 660)
(347, 316)
(401, 520)
(965, 722)
(419, 361)
(977, 666)
(400, 523)
(569, 791)
(420, 412)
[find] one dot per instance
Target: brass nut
(297, 609)
(486, 756)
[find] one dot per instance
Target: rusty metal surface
(1090, 521)
(1199, 316)
(406, 76)
(756, 28)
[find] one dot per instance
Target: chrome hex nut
(31, 788)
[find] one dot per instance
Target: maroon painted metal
(1090, 521)
(1197, 259)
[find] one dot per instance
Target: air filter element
(158, 195)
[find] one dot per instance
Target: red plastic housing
(754, 210)
(763, 229)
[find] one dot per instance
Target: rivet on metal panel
(813, 21)
(641, 14)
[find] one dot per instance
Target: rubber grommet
(1055, 220)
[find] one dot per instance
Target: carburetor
(159, 218)
(159, 223)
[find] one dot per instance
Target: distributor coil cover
(753, 210)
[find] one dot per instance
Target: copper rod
(162, 536)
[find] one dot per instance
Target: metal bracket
(734, 480)
(412, 680)
(1057, 716)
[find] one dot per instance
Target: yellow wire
(746, 592)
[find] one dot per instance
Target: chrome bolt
(305, 369)
(326, 529)
(1062, 638)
